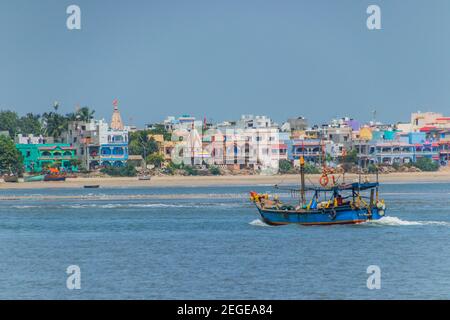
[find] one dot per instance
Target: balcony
(94, 157)
(56, 157)
(307, 154)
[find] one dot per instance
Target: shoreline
(205, 181)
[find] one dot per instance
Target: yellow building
(365, 133)
(159, 138)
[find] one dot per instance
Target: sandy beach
(193, 181)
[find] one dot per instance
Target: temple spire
(116, 122)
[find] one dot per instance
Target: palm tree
(85, 114)
(54, 123)
(31, 124)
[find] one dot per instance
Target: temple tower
(116, 121)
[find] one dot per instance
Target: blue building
(310, 149)
(114, 154)
(114, 142)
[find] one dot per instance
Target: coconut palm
(85, 114)
(54, 123)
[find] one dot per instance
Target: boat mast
(377, 183)
(302, 175)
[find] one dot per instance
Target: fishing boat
(92, 186)
(144, 177)
(54, 177)
(54, 174)
(34, 178)
(10, 178)
(330, 204)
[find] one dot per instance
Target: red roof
(434, 144)
(427, 129)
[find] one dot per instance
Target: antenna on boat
(376, 167)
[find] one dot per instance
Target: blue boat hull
(344, 215)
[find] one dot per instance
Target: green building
(38, 157)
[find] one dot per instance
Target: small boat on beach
(54, 177)
(144, 177)
(34, 178)
(330, 204)
(10, 178)
(55, 174)
(92, 186)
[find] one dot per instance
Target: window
(118, 139)
(118, 151)
(106, 151)
(28, 154)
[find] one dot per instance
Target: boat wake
(394, 221)
(259, 223)
(385, 221)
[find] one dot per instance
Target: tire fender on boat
(333, 214)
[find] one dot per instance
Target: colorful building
(99, 144)
(38, 157)
(395, 152)
(312, 150)
(113, 147)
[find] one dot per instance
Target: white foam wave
(394, 221)
(259, 223)
(131, 205)
(25, 207)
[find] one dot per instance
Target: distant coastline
(227, 180)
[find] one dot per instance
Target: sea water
(209, 243)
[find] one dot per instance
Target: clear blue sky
(228, 57)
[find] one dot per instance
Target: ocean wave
(25, 207)
(128, 205)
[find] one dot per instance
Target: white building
(97, 144)
(251, 121)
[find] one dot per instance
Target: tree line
(50, 124)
